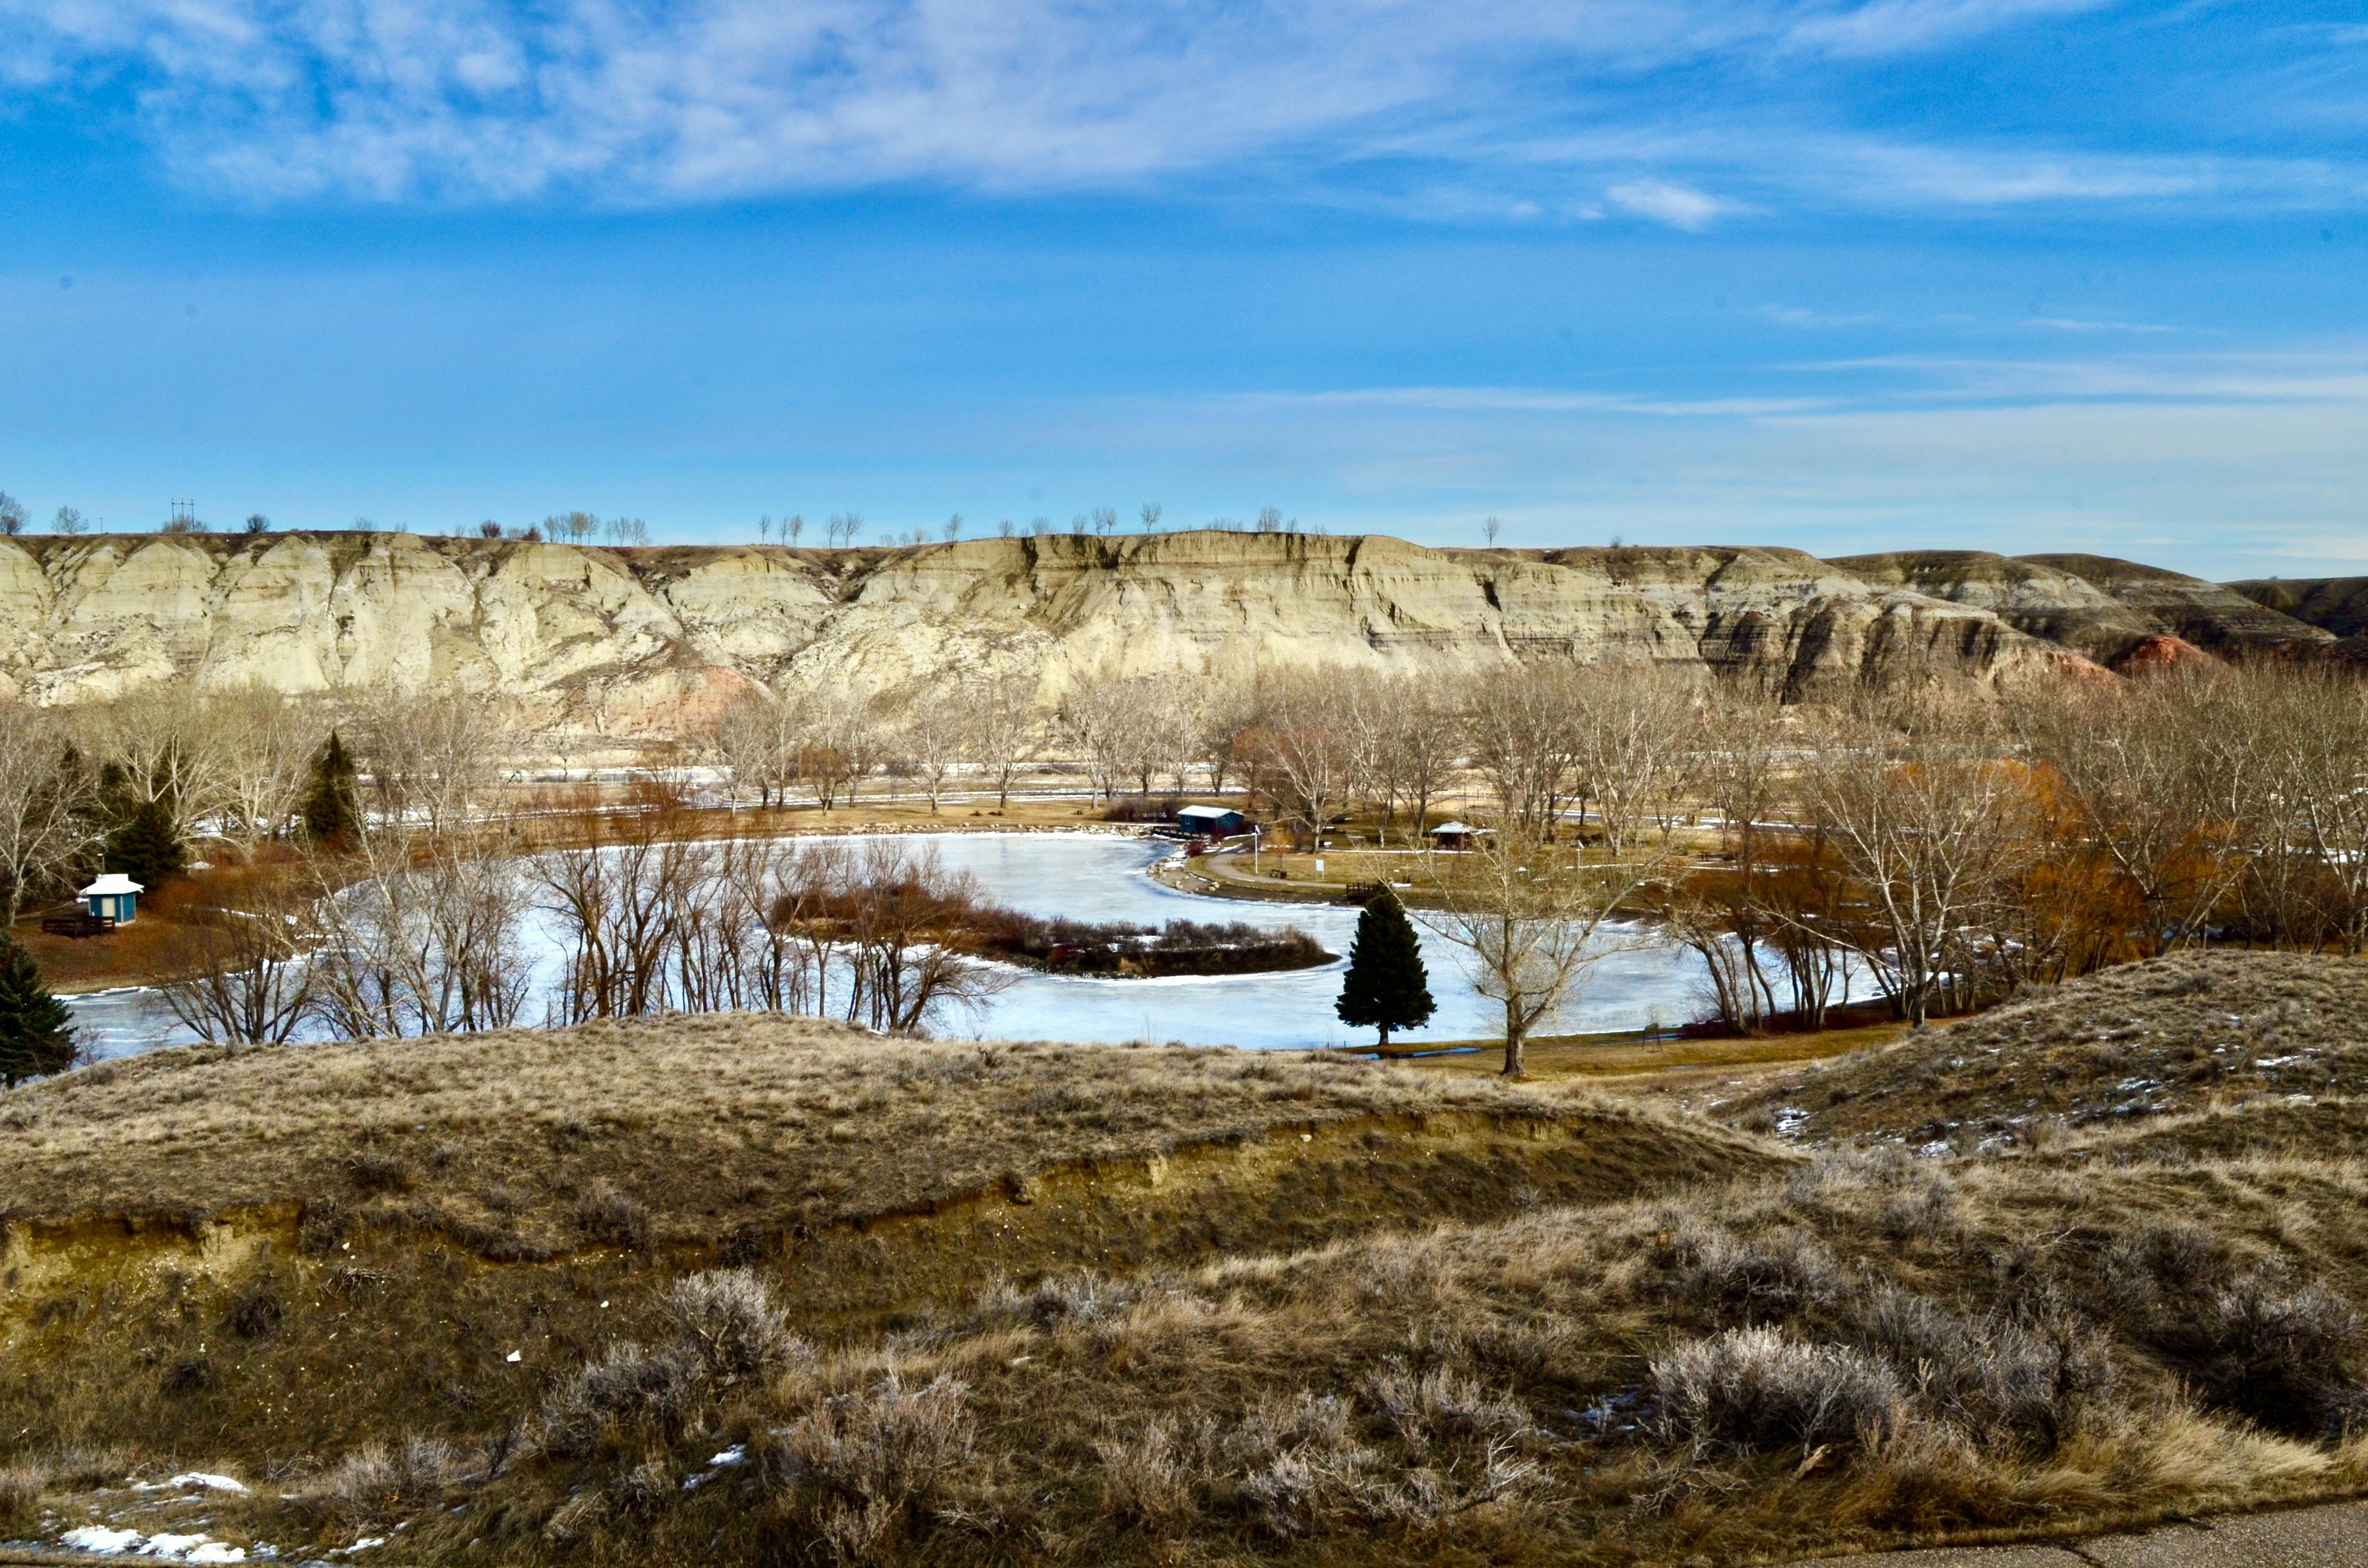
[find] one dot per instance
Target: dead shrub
(21, 1487)
(1751, 1389)
(856, 1467)
(257, 1314)
(646, 1488)
(629, 1393)
(1442, 1405)
(381, 1173)
(2163, 1265)
(2002, 1381)
(375, 1482)
(1152, 1477)
(2287, 1359)
(1792, 1272)
(726, 1318)
(605, 1214)
(186, 1375)
(325, 1227)
(1930, 1209)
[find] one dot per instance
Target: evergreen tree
(146, 845)
(35, 1033)
(1385, 987)
(332, 809)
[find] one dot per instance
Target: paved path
(2335, 1535)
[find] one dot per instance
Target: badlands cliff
(630, 638)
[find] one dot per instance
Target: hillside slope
(2207, 614)
(2334, 605)
(2108, 610)
(2172, 1037)
(777, 1293)
(635, 637)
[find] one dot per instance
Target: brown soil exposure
(750, 1291)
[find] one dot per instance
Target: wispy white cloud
(2338, 376)
(704, 99)
(2069, 323)
(1894, 27)
(1531, 399)
(1679, 206)
(1795, 315)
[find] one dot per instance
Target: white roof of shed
(113, 882)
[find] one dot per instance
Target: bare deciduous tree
(933, 735)
(1922, 812)
(1306, 747)
(1004, 727)
(1520, 729)
(431, 756)
(241, 971)
(1526, 912)
(420, 936)
(49, 820)
(268, 742)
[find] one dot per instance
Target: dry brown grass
(667, 1131)
(1224, 1334)
(1867, 1350)
(2166, 1037)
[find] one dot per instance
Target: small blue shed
(1215, 822)
(113, 897)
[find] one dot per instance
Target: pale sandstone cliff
(639, 637)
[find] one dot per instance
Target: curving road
(2333, 1536)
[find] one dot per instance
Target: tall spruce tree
(35, 1030)
(332, 809)
(146, 846)
(1386, 987)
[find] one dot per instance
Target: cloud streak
(480, 100)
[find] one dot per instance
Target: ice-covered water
(1101, 877)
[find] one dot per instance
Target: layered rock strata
(645, 637)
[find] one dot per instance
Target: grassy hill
(757, 1290)
(2184, 1034)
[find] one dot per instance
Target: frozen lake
(1103, 877)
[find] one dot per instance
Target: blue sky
(1847, 275)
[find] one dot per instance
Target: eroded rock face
(639, 638)
(2118, 613)
(2338, 606)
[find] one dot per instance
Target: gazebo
(113, 897)
(1455, 835)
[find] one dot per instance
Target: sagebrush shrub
(629, 1391)
(726, 1318)
(1295, 1460)
(854, 1468)
(2001, 1381)
(645, 1489)
(1751, 1389)
(1442, 1405)
(604, 1214)
(375, 1482)
(21, 1486)
(1153, 1475)
(1793, 1271)
(2288, 1358)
